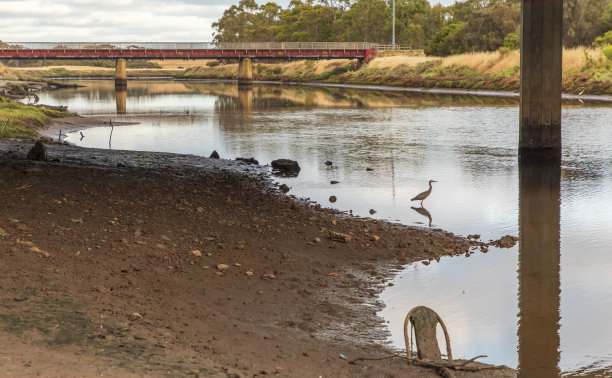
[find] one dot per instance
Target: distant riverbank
(584, 71)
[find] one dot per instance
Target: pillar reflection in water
(245, 99)
(539, 269)
(121, 97)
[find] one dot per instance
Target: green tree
(583, 21)
(447, 40)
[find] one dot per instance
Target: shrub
(607, 51)
(213, 63)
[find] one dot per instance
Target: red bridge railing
(187, 50)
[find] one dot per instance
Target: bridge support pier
(541, 69)
(245, 73)
(121, 73)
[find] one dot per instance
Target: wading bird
(425, 194)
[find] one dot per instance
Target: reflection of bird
(423, 211)
(425, 194)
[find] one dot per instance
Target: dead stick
(5, 123)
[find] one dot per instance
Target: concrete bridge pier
(541, 69)
(245, 72)
(121, 73)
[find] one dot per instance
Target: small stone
(196, 252)
(237, 264)
(333, 182)
(372, 211)
(219, 273)
(375, 238)
(222, 266)
(249, 273)
(200, 209)
(3, 234)
(328, 163)
(165, 238)
(240, 247)
(214, 155)
(475, 236)
(284, 188)
(333, 199)
(369, 169)
(160, 246)
(269, 276)
(259, 292)
(136, 315)
(76, 220)
(333, 222)
(317, 239)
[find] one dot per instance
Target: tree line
(472, 25)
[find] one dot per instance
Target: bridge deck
(172, 50)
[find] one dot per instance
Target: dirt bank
(130, 263)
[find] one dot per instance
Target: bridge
(541, 65)
(188, 50)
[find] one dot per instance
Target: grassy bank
(584, 69)
(22, 121)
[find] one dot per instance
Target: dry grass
(391, 62)
(574, 59)
(174, 64)
(491, 62)
(484, 62)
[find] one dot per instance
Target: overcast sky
(113, 20)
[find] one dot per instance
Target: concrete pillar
(245, 72)
(539, 267)
(540, 95)
(121, 97)
(121, 73)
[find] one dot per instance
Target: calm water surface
(543, 306)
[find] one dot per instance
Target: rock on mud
(286, 166)
(214, 155)
(284, 188)
(38, 152)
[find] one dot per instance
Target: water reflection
(539, 268)
(121, 99)
(423, 211)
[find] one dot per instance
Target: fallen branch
(442, 367)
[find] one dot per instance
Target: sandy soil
(111, 265)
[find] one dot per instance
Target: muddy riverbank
(133, 263)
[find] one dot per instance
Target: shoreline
(308, 327)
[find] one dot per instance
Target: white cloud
(116, 20)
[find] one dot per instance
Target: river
(542, 306)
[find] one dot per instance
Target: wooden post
(121, 73)
(541, 69)
(245, 72)
(539, 267)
